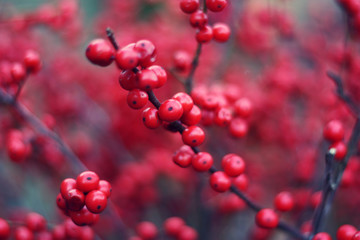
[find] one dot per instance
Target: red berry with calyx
(182, 60)
(170, 110)
(84, 217)
(35, 222)
(192, 117)
(160, 73)
(137, 99)
(150, 118)
(238, 127)
(75, 200)
(216, 5)
(147, 80)
(334, 131)
(193, 136)
(23, 233)
(185, 100)
(284, 201)
(4, 229)
(173, 225)
(222, 117)
(241, 182)
(341, 150)
(322, 236)
(198, 19)
(128, 80)
(187, 233)
(105, 187)
(189, 6)
(18, 72)
(243, 107)
(87, 181)
(147, 52)
(32, 61)
(267, 218)
(233, 165)
(146, 230)
(67, 185)
(183, 156)
(96, 201)
(204, 35)
(221, 32)
(220, 181)
(127, 58)
(100, 52)
(346, 232)
(202, 161)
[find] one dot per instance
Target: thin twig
(111, 37)
(195, 62)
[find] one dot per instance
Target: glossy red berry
(128, 80)
(17, 150)
(284, 201)
(216, 5)
(241, 182)
(182, 60)
(220, 182)
(105, 187)
(267, 218)
(100, 52)
(4, 229)
(146, 230)
(183, 156)
(147, 80)
(233, 165)
(18, 72)
(189, 6)
(345, 232)
(334, 131)
(341, 150)
(147, 52)
(193, 136)
(204, 35)
(23, 233)
(198, 19)
(75, 199)
(87, 181)
(151, 119)
(222, 117)
(322, 236)
(32, 61)
(187, 233)
(221, 32)
(127, 58)
(192, 117)
(243, 107)
(238, 127)
(356, 236)
(173, 225)
(202, 161)
(137, 99)
(35, 222)
(160, 73)
(170, 110)
(96, 201)
(61, 202)
(185, 100)
(67, 185)
(84, 217)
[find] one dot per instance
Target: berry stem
(111, 37)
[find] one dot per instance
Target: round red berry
(87, 181)
(341, 150)
(61, 202)
(238, 127)
(151, 119)
(35, 222)
(221, 32)
(192, 117)
(284, 201)
(189, 6)
(147, 52)
(334, 131)
(75, 199)
(105, 187)
(220, 182)
(18, 72)
(170, 110)
(346, 232)
(241, 182)
(185, 100)
(233, 165)
(127, 58)
(147, 230)
(96, 201)
(198, 19)
(204, 35)
(222, 117)
(243, 107)
(202, 161)
(356, 236)
(4, 229)
(160, 73)
(100, 52)
(216, 5)
(147, 80)
(187, 233)
(182, 60)
(267, 218)
(67, 185)
(137, 99)
(84, 217)
(193, 136)
(128, 80)
(183, 156)
(32, 61)
(173, 225)
(23, 233)
(322, 236)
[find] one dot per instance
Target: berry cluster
(84, 198)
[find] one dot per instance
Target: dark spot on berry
(218, 6)
(147, 87)
(110, 190)
(88, 178)
(87, 49)
(215, 185)
(170, 108)
(144, 119)
(131, 61)
(238, 162)
(134, 102)
(98, 207)
(142, 44)
(204, 162)
(194, 141)
(59, 199)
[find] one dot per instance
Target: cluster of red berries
(344, 232)
(174, 227)
(84, 198)
(334, 132)
(220, 32)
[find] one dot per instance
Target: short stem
(111, 37)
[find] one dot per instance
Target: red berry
(198, 19)
(61, 202)
(75, 200)
(202, 161)
(100, 52)
(220, 182)
(128, 80)
(147, 80)
(160, 73)
(96, 201)
(147, 230)
(204, 35)
(18, 72)
(322, 236)
(84, 217)
(267, 218)
(183, 156)
(4, 229)
(35, 222)
(17, 150)
(193, 136)
(182, 60)
(223, 117)
(346, 232)
(284, 201)
(127, 57)
(170, 110)
(334, 131)
(105, 187)
(187, 233)
(238, 127)
(58, 232)
(341, 150)
(87, 181)
(147, 52)
(23, 233)
(233, 165)
(151, 119)
(221, 32)
(173, 225)
(243, 107)
(67, 185)
(189, 6)
(32, 61)
(192, 117)
(241, 182)
(185, 100)
(356, 236)
(216, 5)
(137, 99)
